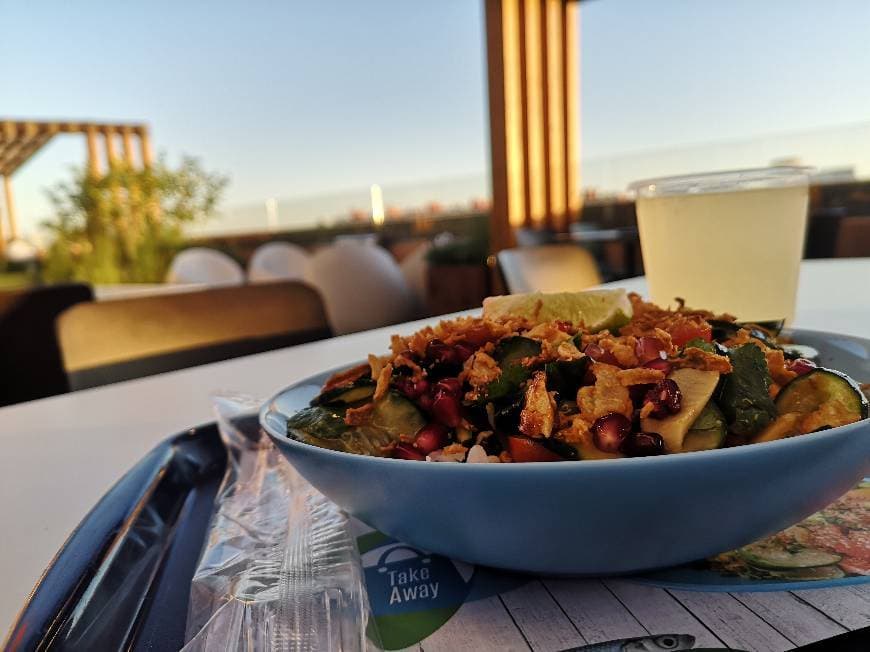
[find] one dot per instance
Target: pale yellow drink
(736, 249)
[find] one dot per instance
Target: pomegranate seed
(801, 366)
(407, 452)
(661, 365)
(666, 398)
(430, 438)
(411, 388)
(643, 444)
(445, 409)
(464, 351)
(437, 352)
(425, 402)
(609, 431)
(650, 348)
(599, 354)
(449, 386)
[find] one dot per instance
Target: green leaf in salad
(510, 382)
(509, 353)
(745, 395)
(513, 349)
(698, 343)
(566, 376)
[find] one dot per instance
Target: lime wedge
(596, 309)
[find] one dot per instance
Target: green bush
(125, 226)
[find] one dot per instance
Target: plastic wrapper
(279, 569)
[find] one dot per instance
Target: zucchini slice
(761, 330)
(817, 573)
(821, 398)
(774, 557)
(324, 426)
(396, 415)
(317, 421)
(708, 431)
(359, 390)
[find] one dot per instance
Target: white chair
(205, 266)
(361, 285)
(277, 261)
(414, 268)
(548, 268)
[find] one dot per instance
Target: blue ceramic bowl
(592, 517)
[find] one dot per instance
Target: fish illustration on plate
(658, 643)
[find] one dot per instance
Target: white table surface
(60, 454)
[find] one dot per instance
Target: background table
(60, 454)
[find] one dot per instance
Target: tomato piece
(685, 332)
(523, 449)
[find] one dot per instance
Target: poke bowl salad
(578, 376)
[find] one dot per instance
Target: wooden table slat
(594, 610)
(660, 613)
(733, 622)
(848, 605)
(542, 622)
(476, 624)
(798, 621)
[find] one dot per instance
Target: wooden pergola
(533, 62)
(20, 140)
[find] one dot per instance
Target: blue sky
(300, 98)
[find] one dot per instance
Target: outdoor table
(61, 454)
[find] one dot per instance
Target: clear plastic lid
(724, 181)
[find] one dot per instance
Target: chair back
(29, 354)
(361, 285)
(110, 341)
(277, 261)
(548, 268)
(207, 266)
(853, 237)
(415, 270)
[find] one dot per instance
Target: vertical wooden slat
(545, 110)
(556, 131)
(571, 80)
(111, 147)
(501, 234)
(2, 227)
(145, 147)
(127, 145)
(536, 181)
(524, 108)
(513, 112)
(10, 208)
(533, 66)
(93, 153)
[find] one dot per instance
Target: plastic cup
(725, 241)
